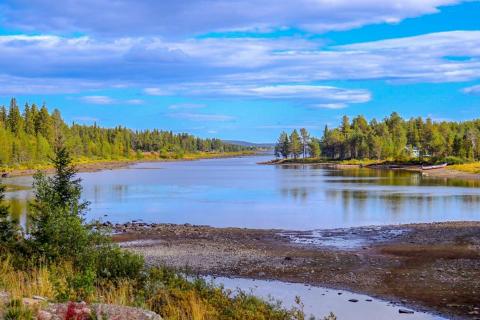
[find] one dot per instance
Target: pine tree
(282, 148)
(3, 116)
(14, 117)
(29, 117)
(295, 144)
(9, 230)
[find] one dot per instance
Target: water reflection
(237, 192)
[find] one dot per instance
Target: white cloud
(472, 90)
(171, 18)
(283, 68)
(186, 106)
(156, 92)
(135, 101)
(202, 117)
(109, 100)
(333, 106)
(98, 99)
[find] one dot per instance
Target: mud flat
(431, 267)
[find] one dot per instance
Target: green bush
(113, 263)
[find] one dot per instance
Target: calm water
(319, 302)
(238, 192)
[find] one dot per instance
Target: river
(237, 192)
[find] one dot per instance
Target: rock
(353, 300)
(44, 315)
(29, 302)
(368, 300)
(339, 293)
(405, 311)
(288, 258)
(39, 298)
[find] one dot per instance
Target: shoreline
(100, 165)
(432, 267)
(445, 173)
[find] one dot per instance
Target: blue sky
(242, 70)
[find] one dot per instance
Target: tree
(9, 230)
(14, 120)
(314, 148)
(282, 148)
(57, 229)
(295, 144)
(305, 140)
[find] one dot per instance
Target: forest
(393, 138)
(27, 138)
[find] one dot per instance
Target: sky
(241, 70)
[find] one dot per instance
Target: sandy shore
(433, 267)
(111, 165)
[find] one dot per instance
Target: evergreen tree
(282, 148)
(9, 230)
(57, 229)
(14, 120)
(295, 144)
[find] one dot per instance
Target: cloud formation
(202, 117)
(105, 100)
(472, 90)
(180, 18)
(283, 68)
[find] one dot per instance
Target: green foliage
(17, 311)
(398, 139)
(114, 263)
(30, 139)
(282, 148)
(295, 144)
(9, 230)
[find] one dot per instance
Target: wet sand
(432, 267)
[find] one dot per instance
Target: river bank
(432, 267)
(98, 165)
(445, 173)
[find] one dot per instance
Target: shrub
(113, 263)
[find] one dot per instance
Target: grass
(162, 290)
(146, 156)
(473, 167)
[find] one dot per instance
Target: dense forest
(27, 138)
(392, 138)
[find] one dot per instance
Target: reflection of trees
(118, 191)
(297, 193)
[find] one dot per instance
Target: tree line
(392, 138)
(28, 138)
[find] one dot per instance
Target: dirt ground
(432, 267)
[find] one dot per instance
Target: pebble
(353, 300)
(405, 311)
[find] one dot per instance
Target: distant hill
(250, 144)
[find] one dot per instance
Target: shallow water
(319, 302)
(238, 192)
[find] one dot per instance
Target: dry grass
(172, 296)
(473, 167)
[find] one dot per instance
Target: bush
(113, 263)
